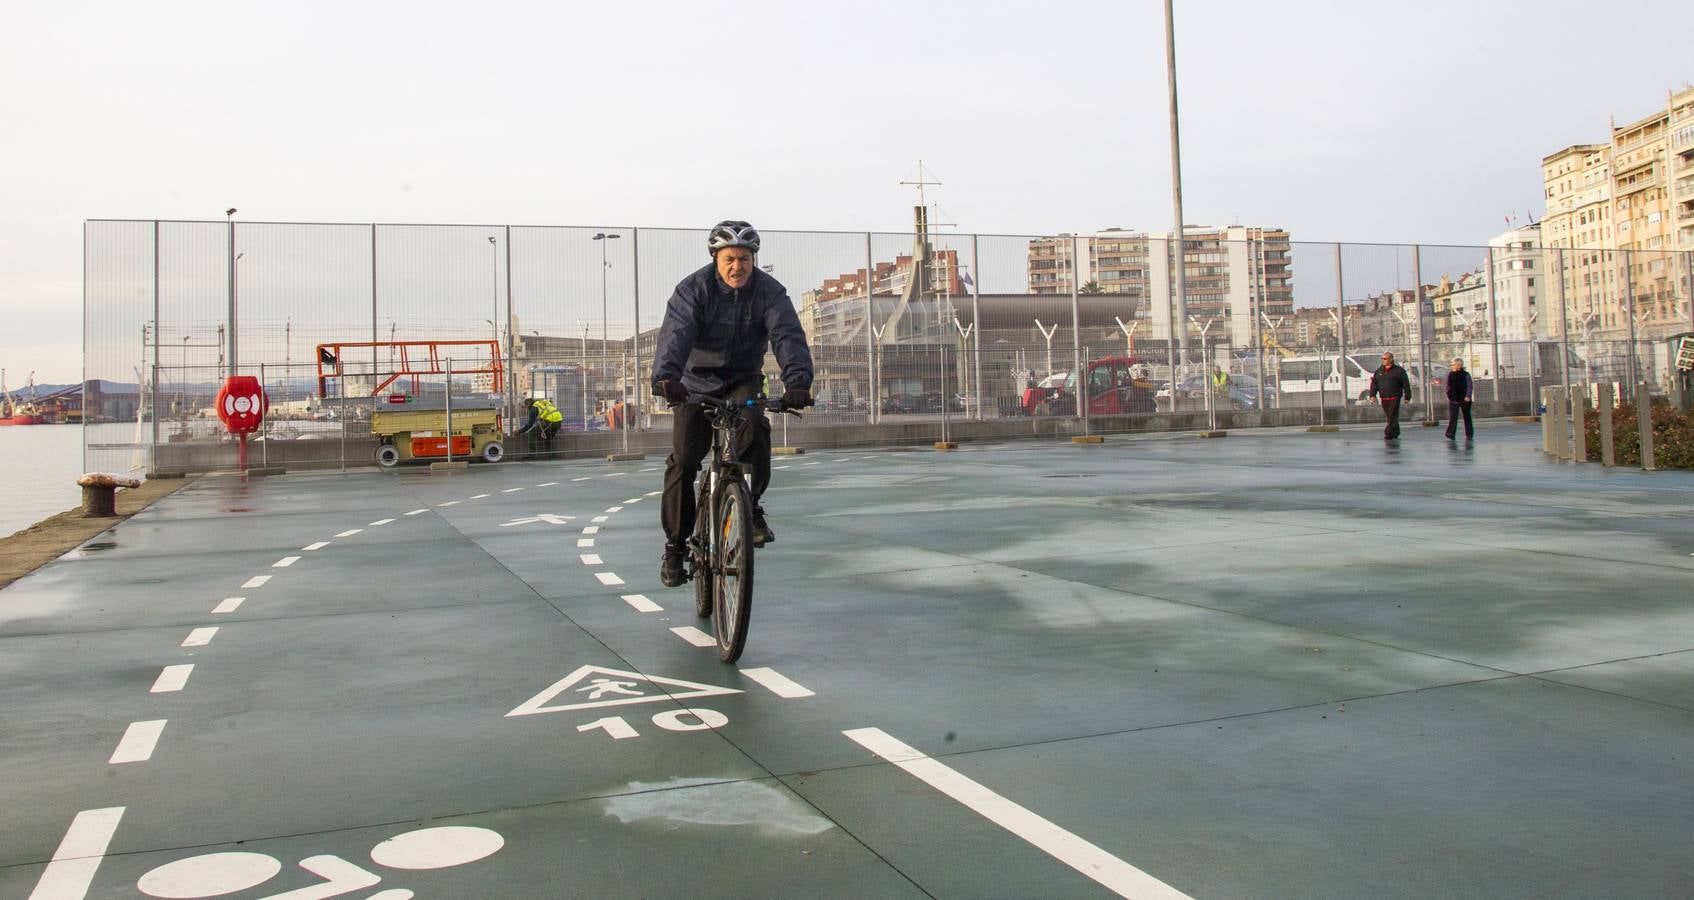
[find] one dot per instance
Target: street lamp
(603, 237)
(494, 265)
(230, 215)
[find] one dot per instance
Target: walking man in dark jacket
(717, 326)
(1459, 394)
(1393, 385)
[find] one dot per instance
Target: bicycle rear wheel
(732, 570)
(702, 550)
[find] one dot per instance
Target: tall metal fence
(985, 334)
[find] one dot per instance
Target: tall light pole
(1179, 264)
(230, 215)
(494, 265)
(603, 237)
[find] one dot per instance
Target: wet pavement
(1277, 665)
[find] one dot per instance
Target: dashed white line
(777, 684)
(592, 559)
(417, 512)
(229, 605)
(1110, 872)
(71, 872)
(641, 603)
(285, 562)
(613, 509)
(256, 581)
(138, 742)
(172, 678)
(585, 542)
(651, 469)
(511, 490)
(782, 467)
(652, 493)
(810, 464)
(599, 519)
(633, 500)
(548, 484)
(316, 545)
(592, 529)
(617, 475)
(694, 636)
(381, 522)
(843, 459)
(200, 637)
(349, 532)
(608, 578)
(583, 478)
(449, 503)
(478, 496)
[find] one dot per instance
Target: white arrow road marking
(695, 636)
(610, 579)
(777, 684)
(172, 678)
(256, 581)
(641, 603)
(200, 637)
(549, 518)
(229, 605)
(138, 742)
(592, 559)
(285, 562)
(350, 532)
(1110, 872)
(71, 872)
(316, 545)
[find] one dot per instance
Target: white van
(1300, 379)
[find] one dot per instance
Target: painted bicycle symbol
(216, 874)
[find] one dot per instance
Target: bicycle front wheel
(732, 581)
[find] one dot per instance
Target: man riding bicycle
(718, 324)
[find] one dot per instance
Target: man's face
(735, 266)
(1388, 359)
(1457, 365)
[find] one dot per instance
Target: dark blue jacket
(714, 337)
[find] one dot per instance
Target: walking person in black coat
(1459, 395)
(1393, 385)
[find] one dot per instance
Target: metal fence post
(1493, 328)
(1629, 310)
(635, 275)
(1076, 330)
(265, 449)
(341, 395)
(511, 399)
(1564, 325)
(1423, 340)
(873, 404)
(153, 455)
(1644, 424)
(1341, 332)
(449, 395)
(976, 331)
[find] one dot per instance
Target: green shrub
(1673, 437)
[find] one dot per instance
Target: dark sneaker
(671, 571)
(762, 533)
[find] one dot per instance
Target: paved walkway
(1276, 665)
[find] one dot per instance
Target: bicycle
(721, 549)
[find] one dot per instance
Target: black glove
(671, 390)
(796, 398)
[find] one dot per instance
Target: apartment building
(1235, 278)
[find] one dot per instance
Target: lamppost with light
(603, 237)
(230, 215)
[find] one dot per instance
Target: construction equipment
(412, 424)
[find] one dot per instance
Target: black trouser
(1391, 409)
(691, 438)
(1454, 407)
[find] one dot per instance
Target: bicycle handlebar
(773, 404)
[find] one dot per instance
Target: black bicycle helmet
(732, 233)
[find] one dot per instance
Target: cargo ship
(18, 413)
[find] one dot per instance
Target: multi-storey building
(1519, 285)
(1237, 279)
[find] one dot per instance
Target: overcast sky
(1341, 121)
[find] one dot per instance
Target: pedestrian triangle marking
(617, 683)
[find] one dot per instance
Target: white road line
(695, 636)
(285, 562)
(381, 522)
(653, 469)
(229, 605)
(592, 559)
(609, 579)
(256, 581)
(585, 542)
(598, 519)
(548, 484)
(777, 684)
(71, 872)
(350, 532)
(657, 493)
(617, 475)
(1110, 872)
(583, 478)
(172, 678)
(613, 509)
(417, 512)
(641, 603)
(138, 741)
(632, 500)
(449, 503)
(843, 459)
(782, 467)
(316, 545)
(200, 637)
(511, 490)
(592, 529)
(478, 496)
(810, 464)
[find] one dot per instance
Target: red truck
(1117, 386)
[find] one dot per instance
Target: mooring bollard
(1579, 423)
(99, 490)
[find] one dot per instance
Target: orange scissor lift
(409, 425)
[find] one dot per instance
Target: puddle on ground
(705, 801)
